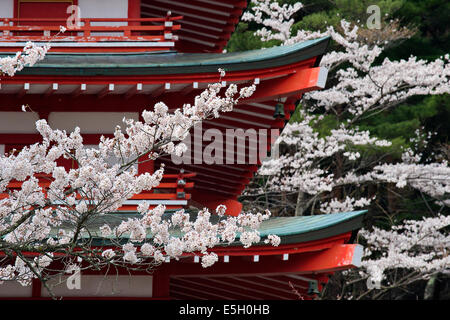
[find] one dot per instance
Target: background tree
(368, 140)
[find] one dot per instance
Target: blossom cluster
(29, 56)
(199, 235)
(420, 245)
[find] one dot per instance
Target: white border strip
(357, 255)
(322, 78)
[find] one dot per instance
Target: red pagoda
(121, 57)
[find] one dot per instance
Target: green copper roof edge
(344, 227)
(275, 52)
(345, 217)
(262, 58)
(344, 222)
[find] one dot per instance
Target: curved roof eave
(290, 229)
(175, 63)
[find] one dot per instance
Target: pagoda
(123, 56)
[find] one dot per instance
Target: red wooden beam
(24, 90)
(135, 89)
(107, 90)
(160, 90)
(215, 6)
(160, 284)
(245, 75)
(201, 190)
(79, 90)
(36, 287)
(233, 189)
(256, 287)
(52, 89)
(185, 9)
(228, 172)
(302, 81)
(155, 10)
(134, 11)
(210, 288)
(189, 88)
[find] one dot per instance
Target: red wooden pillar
(134, 11)
(145, 165)
(36, 287)
(161, 282)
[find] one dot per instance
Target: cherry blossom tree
(52, 229)
(336, 170)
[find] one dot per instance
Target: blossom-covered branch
(41, 224)
(28, 57)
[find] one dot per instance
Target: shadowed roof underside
(206, 26)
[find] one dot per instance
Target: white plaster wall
(104, 9)
(13, 289)
(18, 122)
(103, 286)
(90, 122)
(6, 8)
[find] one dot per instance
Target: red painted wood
(298, 83)
(197, 16)
(160, 284)
(338, 257)
(134, 11)
(36, 287)
(266, 292)
(234, 207)
(43, 10)
(237, 252)
(248, 75)
(228, 172)
(38, 19)
(16, 5)
(201, 286)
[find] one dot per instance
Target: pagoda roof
(312, 248)
(94, 64)
(127, 82)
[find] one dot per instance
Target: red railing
(90, 30)
(172, 191)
